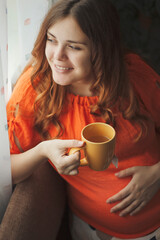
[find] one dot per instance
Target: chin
(61, 82)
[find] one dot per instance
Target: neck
(82, 90)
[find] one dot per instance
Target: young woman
(79, 74)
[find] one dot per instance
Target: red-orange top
(88, 191)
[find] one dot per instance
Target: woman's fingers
(125, 191)
(134, 208)
(140, 190)
(119, 196)
(126, 172)
(128, 204)
(73, 172)
(55, 151)
(69, 163)
(138, 208)
(70, 143)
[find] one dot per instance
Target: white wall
(24, 19)
(5, 167)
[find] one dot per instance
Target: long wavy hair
(99, 20)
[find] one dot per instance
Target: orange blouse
(89, 190)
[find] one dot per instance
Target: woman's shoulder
(23, 92)
(138, 66)
(141, 73)
(20, 114)
(146, 84)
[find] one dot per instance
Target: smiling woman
(69, 55)
(79, 74)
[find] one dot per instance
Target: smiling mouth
(62, 68)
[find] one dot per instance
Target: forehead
(67, 28)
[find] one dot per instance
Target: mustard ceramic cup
(99, 146)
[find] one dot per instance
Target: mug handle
(83, 161)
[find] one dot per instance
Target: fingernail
(122, 214)
(108, 201)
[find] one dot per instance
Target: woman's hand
(144, 185)
(55, 151)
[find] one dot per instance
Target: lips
(62, 68)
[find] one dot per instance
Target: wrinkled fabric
(89, 190)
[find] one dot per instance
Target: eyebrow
(69, 41)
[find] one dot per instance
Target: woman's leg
(36, 207)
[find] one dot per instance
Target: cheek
(48, 52)
(86, 64)
(83, 61)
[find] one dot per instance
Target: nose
(59, 53)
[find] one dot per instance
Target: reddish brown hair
(100, 22)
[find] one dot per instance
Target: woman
(79, 74)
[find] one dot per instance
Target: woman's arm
(24, 164)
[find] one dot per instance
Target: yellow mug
(99, 146)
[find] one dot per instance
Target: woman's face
(68, 51)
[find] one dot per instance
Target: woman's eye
(74, 47)
(51, 40)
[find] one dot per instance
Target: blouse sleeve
(20, 115)
(146, 83)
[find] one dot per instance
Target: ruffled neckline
(82, 100)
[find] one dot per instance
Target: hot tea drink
(98, 139)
